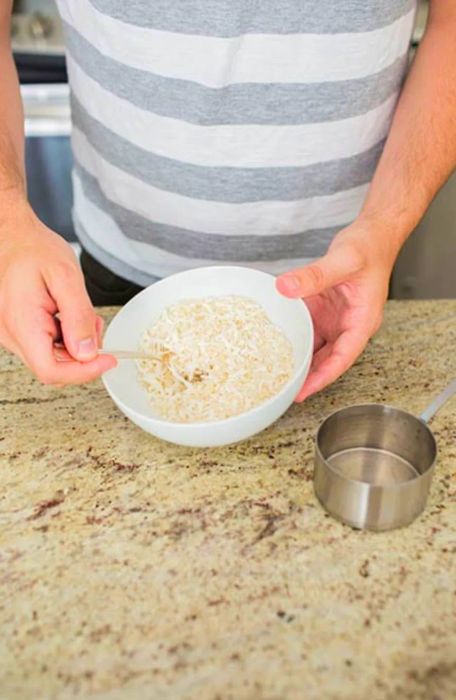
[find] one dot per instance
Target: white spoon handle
(127, 354)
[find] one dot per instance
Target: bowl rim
(224, 421)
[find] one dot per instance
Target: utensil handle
(124, 354)
(438, 402)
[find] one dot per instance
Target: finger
(319, 340)
(35, 337)
(57, 334)
(77, 316)
(8, 343)
(318, 358)
(330, 364)
(99, 325)
(316, 308)
(59, 349)
(335, 267)
(61, 354)
(51, 370)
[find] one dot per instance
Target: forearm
(12, 170)
(420, 152)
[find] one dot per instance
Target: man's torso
(215, 131)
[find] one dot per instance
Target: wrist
(393, 230)
(15, 211)
(380, 239)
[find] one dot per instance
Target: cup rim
(377, 487)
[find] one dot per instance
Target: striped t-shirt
(227, 131)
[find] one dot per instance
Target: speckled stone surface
(130, 568)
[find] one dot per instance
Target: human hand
(345, 292)
(39, 278)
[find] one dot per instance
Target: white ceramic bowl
(127, 327)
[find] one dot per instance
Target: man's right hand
(39, 278)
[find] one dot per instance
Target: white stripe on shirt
(251, 58)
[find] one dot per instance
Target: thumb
(77, 315)
(336, 266)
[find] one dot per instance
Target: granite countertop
(130, 568)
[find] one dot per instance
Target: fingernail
(309, 388)
(86, 347)
(289, 284)
(303, 394)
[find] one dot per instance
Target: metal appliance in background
(38, 49)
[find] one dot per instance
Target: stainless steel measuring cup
(374, 463)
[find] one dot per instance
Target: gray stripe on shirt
(193, 244)
(246, 103)
(227, 184)
(119, 267)
(225, 18)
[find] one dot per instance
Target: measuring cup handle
(438, 402)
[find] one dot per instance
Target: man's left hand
(345, 292)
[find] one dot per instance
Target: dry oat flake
(216, 357)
